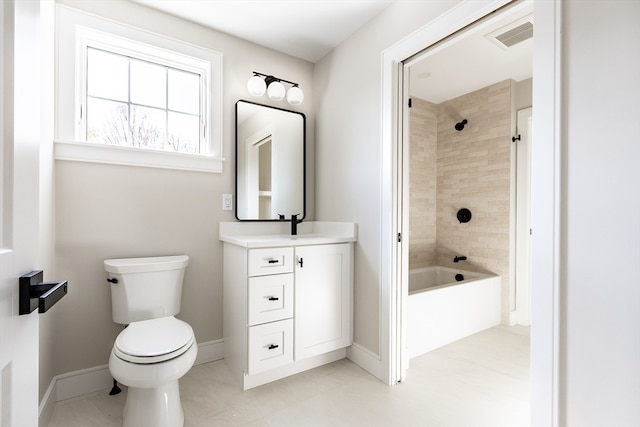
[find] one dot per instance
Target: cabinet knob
(301, 261)
(272, 346)
(273, 298)
(273, 261)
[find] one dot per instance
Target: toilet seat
(154, 341)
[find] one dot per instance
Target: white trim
(545, 215)
(70, 21)
(403, 189)
(522, 236)
(366, 359)
(210, 351)
(84, 381)
(90, 38)
(111, 154)
(513, 212)
(47, 405)
(451, 21)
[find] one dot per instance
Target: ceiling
(306, 29)
(309, 29)
(473, 60)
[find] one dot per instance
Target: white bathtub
(442, 310)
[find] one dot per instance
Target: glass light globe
(256, 86)
(295, 96)
(276, 91)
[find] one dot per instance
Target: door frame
(522, 166)
(545, 192)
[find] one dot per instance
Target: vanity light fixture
(260, 83)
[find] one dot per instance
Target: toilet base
(153, 397)
(158, 407)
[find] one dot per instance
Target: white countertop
(272, 234)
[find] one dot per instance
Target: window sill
(102, 153)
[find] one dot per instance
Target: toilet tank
(145, 288)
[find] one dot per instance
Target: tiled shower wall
(423, 136)
(471, 170)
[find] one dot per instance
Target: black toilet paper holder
(34, 293)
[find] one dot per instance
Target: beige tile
(449, 170)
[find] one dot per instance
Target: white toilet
(156, 349)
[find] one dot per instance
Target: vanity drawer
(270, 261)
(270, 346)
(270, 298)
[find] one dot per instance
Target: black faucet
(459, 258)
(294, 224)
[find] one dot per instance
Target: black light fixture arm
(269, 78)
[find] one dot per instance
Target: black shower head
(460, 125)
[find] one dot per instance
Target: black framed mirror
(270, 162)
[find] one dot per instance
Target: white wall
(109, 211)
(347, 88)
(600, 299)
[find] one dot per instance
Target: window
(138, 98)
(137, 103)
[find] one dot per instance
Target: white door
(20, 94)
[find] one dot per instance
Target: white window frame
(77, 30)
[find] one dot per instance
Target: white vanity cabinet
(287, 304)
(323, 299)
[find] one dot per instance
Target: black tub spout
(459, 258)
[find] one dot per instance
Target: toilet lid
(155, 340)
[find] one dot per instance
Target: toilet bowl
(150, 357)
(155, 350)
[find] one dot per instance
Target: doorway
(544, 190)
(463, 155)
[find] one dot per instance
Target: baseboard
(70, 385)
(85, 381)
(210, 351)
(47, 404)
(369, 361)
(513, 317)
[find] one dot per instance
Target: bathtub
(443, 308)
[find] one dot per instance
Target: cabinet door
(322, 299)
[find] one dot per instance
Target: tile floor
(482, 380)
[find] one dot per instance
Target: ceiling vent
(513, 34)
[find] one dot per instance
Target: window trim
(93, 152)
(75, 30)
(88, 38)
